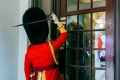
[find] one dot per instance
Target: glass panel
(84, 39)
(98, 58)
(42, 5)
(84, 4)
(98, 38)
(70, 73)
(84, 74)
(72, 40)
(71, 57)
(71, 5)
(84, 21)
(72, 23)
(99, 3)
(99, 20)
(98, 75)
(84, 58)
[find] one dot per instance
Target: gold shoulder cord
(53, 53)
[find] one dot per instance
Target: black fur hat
(37, 32)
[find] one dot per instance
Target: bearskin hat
(36, 32)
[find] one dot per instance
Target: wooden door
(90, 46)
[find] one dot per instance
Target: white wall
(22, 41)
(13, 41)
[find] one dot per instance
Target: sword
(33, 22)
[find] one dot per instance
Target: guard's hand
(54, 18)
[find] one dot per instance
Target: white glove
(54, 18)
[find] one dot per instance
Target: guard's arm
(63, 33)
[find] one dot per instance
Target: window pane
(70, 73)
(84, 4)
(72, 40)
(72, 23)
(98, 58)
(98, 38)
(98, 75)
(71, 5)
(71, 57)
(99, 20)
(84, 21)
(99, 3)
(84, 40)
(42, 5)
(84, 58)
(84, 74)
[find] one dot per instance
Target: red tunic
(40, 55)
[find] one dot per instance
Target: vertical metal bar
(77, 4)
(91, 65)
(77, 51)
(91, 14)
(77, 58)
(34, 3)
(117, 40)
(51, 6)
(63, 8)
(91, 3)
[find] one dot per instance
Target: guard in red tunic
(40, 59)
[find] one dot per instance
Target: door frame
(117, 39)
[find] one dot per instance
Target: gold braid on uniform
(53, 53)
(41, 75)
(38, 76)
(61, 27)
